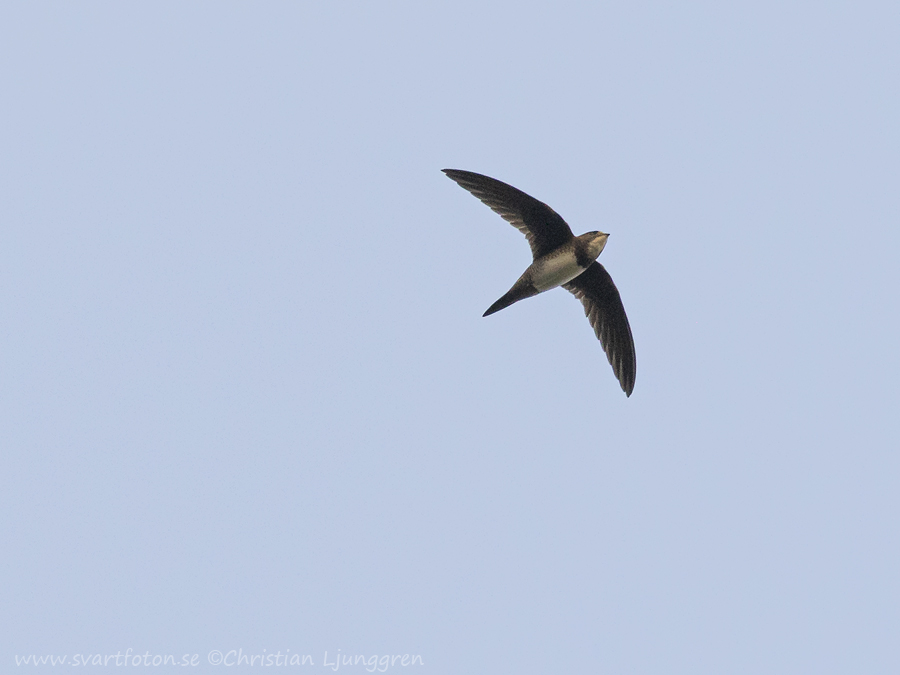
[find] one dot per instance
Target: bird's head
(595, 242)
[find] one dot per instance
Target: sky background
(249, 400)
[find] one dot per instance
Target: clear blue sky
(249, 400)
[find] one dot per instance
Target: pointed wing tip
(462, 176)
(626, 377)
(456, 175)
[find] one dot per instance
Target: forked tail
(521, 290)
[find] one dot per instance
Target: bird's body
(560, 259)
(556, 268)
(553, 269)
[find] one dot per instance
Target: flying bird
(560, 259)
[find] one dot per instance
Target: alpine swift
(560, 259)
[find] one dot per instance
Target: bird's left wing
(542, 226)
(603, 308)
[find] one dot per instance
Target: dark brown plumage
(560, 258)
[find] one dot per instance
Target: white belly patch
(552, 272)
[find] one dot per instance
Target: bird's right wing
(544, 227)
(603, 308)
